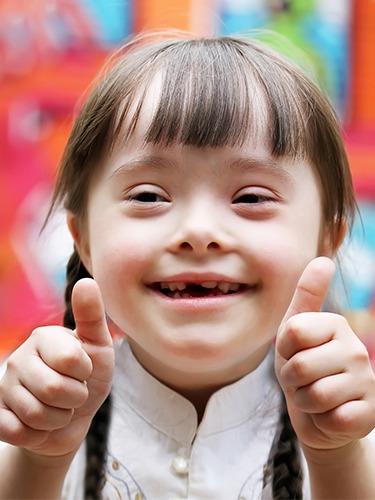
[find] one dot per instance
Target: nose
(201, 230)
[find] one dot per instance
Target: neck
(198, 397)
(194, 384)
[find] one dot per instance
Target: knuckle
(45, 419)
(17, 435)
(16, 362)
(37, 331)
(63, 394)
(32, 415)
(342, 421)
(38, 334)
(11, 428)
(79, 396)
(73, 360)
(360, 354)
(60, 418)
(52, 390)
(342, 321)
(300, 366)
(71, 357)
(296, 327)
(320, 395)
(12, 364)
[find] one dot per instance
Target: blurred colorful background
(49, 52)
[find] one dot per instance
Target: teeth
(209, 284)
(228, 287)
(234, 287)
(223, 287)
(179, 285)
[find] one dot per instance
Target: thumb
(93, 332)
(312, 288)
(89, 313)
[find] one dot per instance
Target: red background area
(39, 90)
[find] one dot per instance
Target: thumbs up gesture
(323, 368)
(56, 381)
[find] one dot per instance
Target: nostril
(189, 246)
(185, 245)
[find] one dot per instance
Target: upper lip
(198, 278)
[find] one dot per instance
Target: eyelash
(144, 197)
(251, 199)
(150, 197)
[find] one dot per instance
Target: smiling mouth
(177, 290)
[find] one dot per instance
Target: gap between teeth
(222, 286)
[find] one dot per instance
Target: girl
(207, 189)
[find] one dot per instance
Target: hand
(323, 368)
(56, 381)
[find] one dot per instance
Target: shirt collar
(253, 396)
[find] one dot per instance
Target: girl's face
(198, 251)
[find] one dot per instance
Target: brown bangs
(219, 92)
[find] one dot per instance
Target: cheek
(119, 261)
(117, 246)
(118, 273)
(289, 243)
(282, 260)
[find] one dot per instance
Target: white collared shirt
(157, 450)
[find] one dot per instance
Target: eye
(146, 200)
(256, 202)
(146, 194)
(251, 198)
(146, 197)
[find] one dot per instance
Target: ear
(332, 240)
(80, 240)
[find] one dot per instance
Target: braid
(284, 461)
(96, 451)
(96, 439)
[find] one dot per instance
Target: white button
(180, 465)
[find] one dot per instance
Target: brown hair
(214, 92)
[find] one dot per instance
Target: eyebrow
(243, 164)
(151, 162)
(267, 164)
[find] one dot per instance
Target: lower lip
(207, 303)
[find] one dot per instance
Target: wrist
(335, 456)
(26, 474)
(342, 473)
(47, 461)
